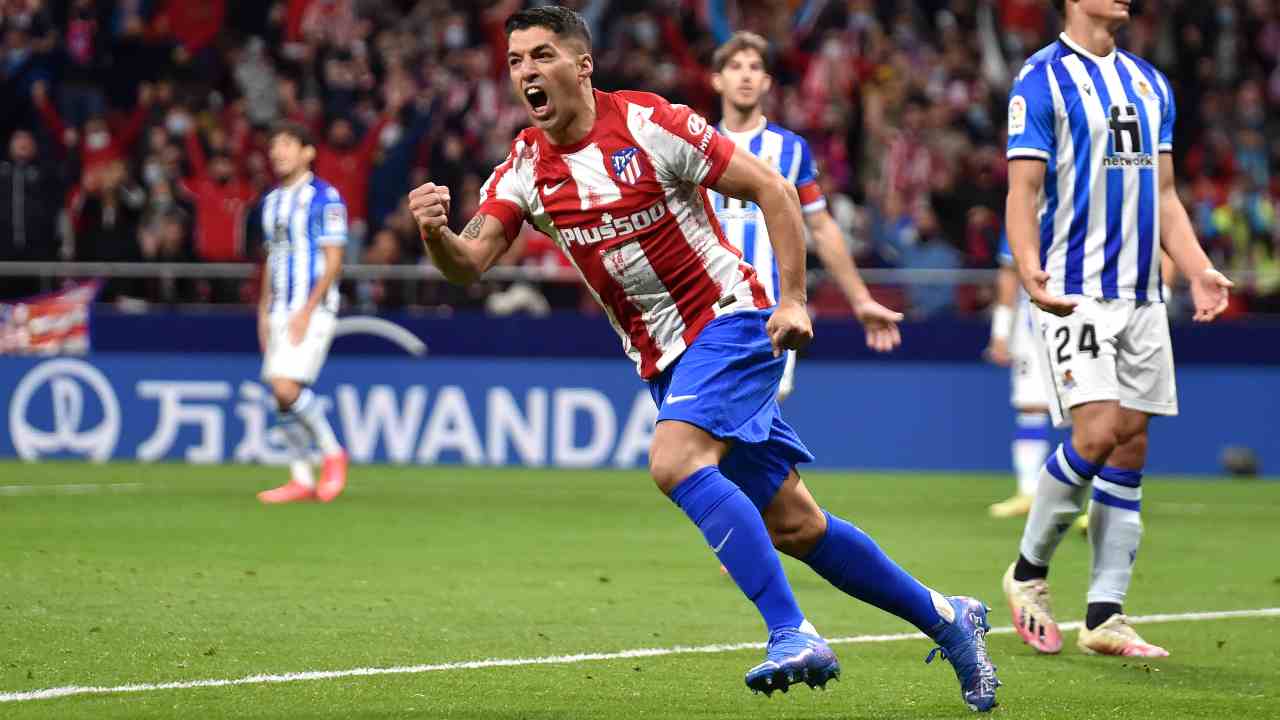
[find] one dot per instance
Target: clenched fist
(429, 204)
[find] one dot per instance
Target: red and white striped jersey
(626, 205)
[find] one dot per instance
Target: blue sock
(734, 529)
(849, 559)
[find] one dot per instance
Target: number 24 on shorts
(1088, 342)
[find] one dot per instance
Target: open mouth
(537, 98)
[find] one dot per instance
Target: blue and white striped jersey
(742, 222)
(1100, 124)
(296, 222)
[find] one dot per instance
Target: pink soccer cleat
(292, 491)
(1117, 637)
(1032, 616)
(333, 478)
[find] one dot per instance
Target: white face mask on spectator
(98, 140)
(177, 124)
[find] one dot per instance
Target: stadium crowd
(136, 129)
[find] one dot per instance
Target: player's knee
(669, 468)
(797, 533)
(1095, 443)
(285, 393)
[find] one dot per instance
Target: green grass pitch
(181, 575)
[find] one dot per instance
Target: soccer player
(742, 80)
(304, 223)
(1013, 345)
(617, 181)
(1091, 201)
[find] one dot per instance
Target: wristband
(1001, 322)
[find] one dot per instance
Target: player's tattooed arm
(461, 258)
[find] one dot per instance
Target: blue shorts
(726, 383)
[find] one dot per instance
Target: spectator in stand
(345, 162)
(30, 196)
(99, 142)
(105, 215)
(221, 199)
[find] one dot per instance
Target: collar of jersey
(745, 134)
(1076, 47)
(602, 103)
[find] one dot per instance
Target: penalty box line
(70, 690)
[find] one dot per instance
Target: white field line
(69, 488)
(69, 690)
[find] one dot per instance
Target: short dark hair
(560, 20)
(295, 130)
(738, 42)
(1060, 6)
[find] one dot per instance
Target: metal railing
(161, 270)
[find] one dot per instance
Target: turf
(186, 577)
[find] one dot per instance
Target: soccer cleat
(1032, 616)
(794, 655)
(333, 478)
(963, 643)
(1117, 637)
(292, 491)
(1012, 507)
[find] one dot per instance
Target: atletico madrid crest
(626, 165)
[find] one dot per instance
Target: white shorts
(299, 362)
(1029, 384)
(788, 382)
(1109, 350)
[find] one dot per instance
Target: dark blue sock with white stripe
(732, 526)
(1115, 531)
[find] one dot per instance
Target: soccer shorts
(299, 362)
(1028, 381)
(726, 383)
(1109, 350)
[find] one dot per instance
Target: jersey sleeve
(328, 218)
(505, 195)
(1031, 115)
(1005, 255)
(811, 198)
(1168, 113)
(681, 144)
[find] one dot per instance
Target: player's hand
(298, 323)
(789, 327)
(1209, 291)
(1038, 291)
(429, 204)
(880, 324)
(997, 352)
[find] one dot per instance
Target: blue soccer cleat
(794, 655)
(963, 642)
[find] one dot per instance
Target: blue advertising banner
(211, 408)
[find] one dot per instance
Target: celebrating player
(1091, 200)
(305, 227)
(742, 80)
(616, 180)
(1013, 345)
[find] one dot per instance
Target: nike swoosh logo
(551, 189)
(717, 548)
(679, 398)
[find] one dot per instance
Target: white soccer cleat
(1011, 507)
(1117, 637)
(1032, 617)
